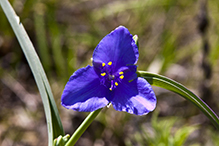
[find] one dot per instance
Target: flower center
(110, 78)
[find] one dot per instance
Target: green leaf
(169, 84)
(54, 124)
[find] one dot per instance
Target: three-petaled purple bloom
(111, 79)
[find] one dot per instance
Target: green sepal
(61, 140)
(135, 38)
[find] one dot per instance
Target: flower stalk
(77, 134)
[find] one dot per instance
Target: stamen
(121, 77)
(110, 88)
(103, 64)
(110, 63)
(121, 72)
(116, 84)
(103, 74)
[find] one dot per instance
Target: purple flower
(111, 79)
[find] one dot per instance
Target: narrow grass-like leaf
(54, 125)
(169, 84)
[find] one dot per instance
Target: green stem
(77, 134)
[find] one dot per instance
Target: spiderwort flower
(111, 79)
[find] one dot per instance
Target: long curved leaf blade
(54, 125)
(169, 84)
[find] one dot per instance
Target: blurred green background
(177, 38)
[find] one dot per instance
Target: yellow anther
(116, 84)
(110, 89)
(103, 74)
(121, 77)
(121, 72)
(103, 64)
(110, 63)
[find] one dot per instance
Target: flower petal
(117, 47)
(136, 97)
(83, 92)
